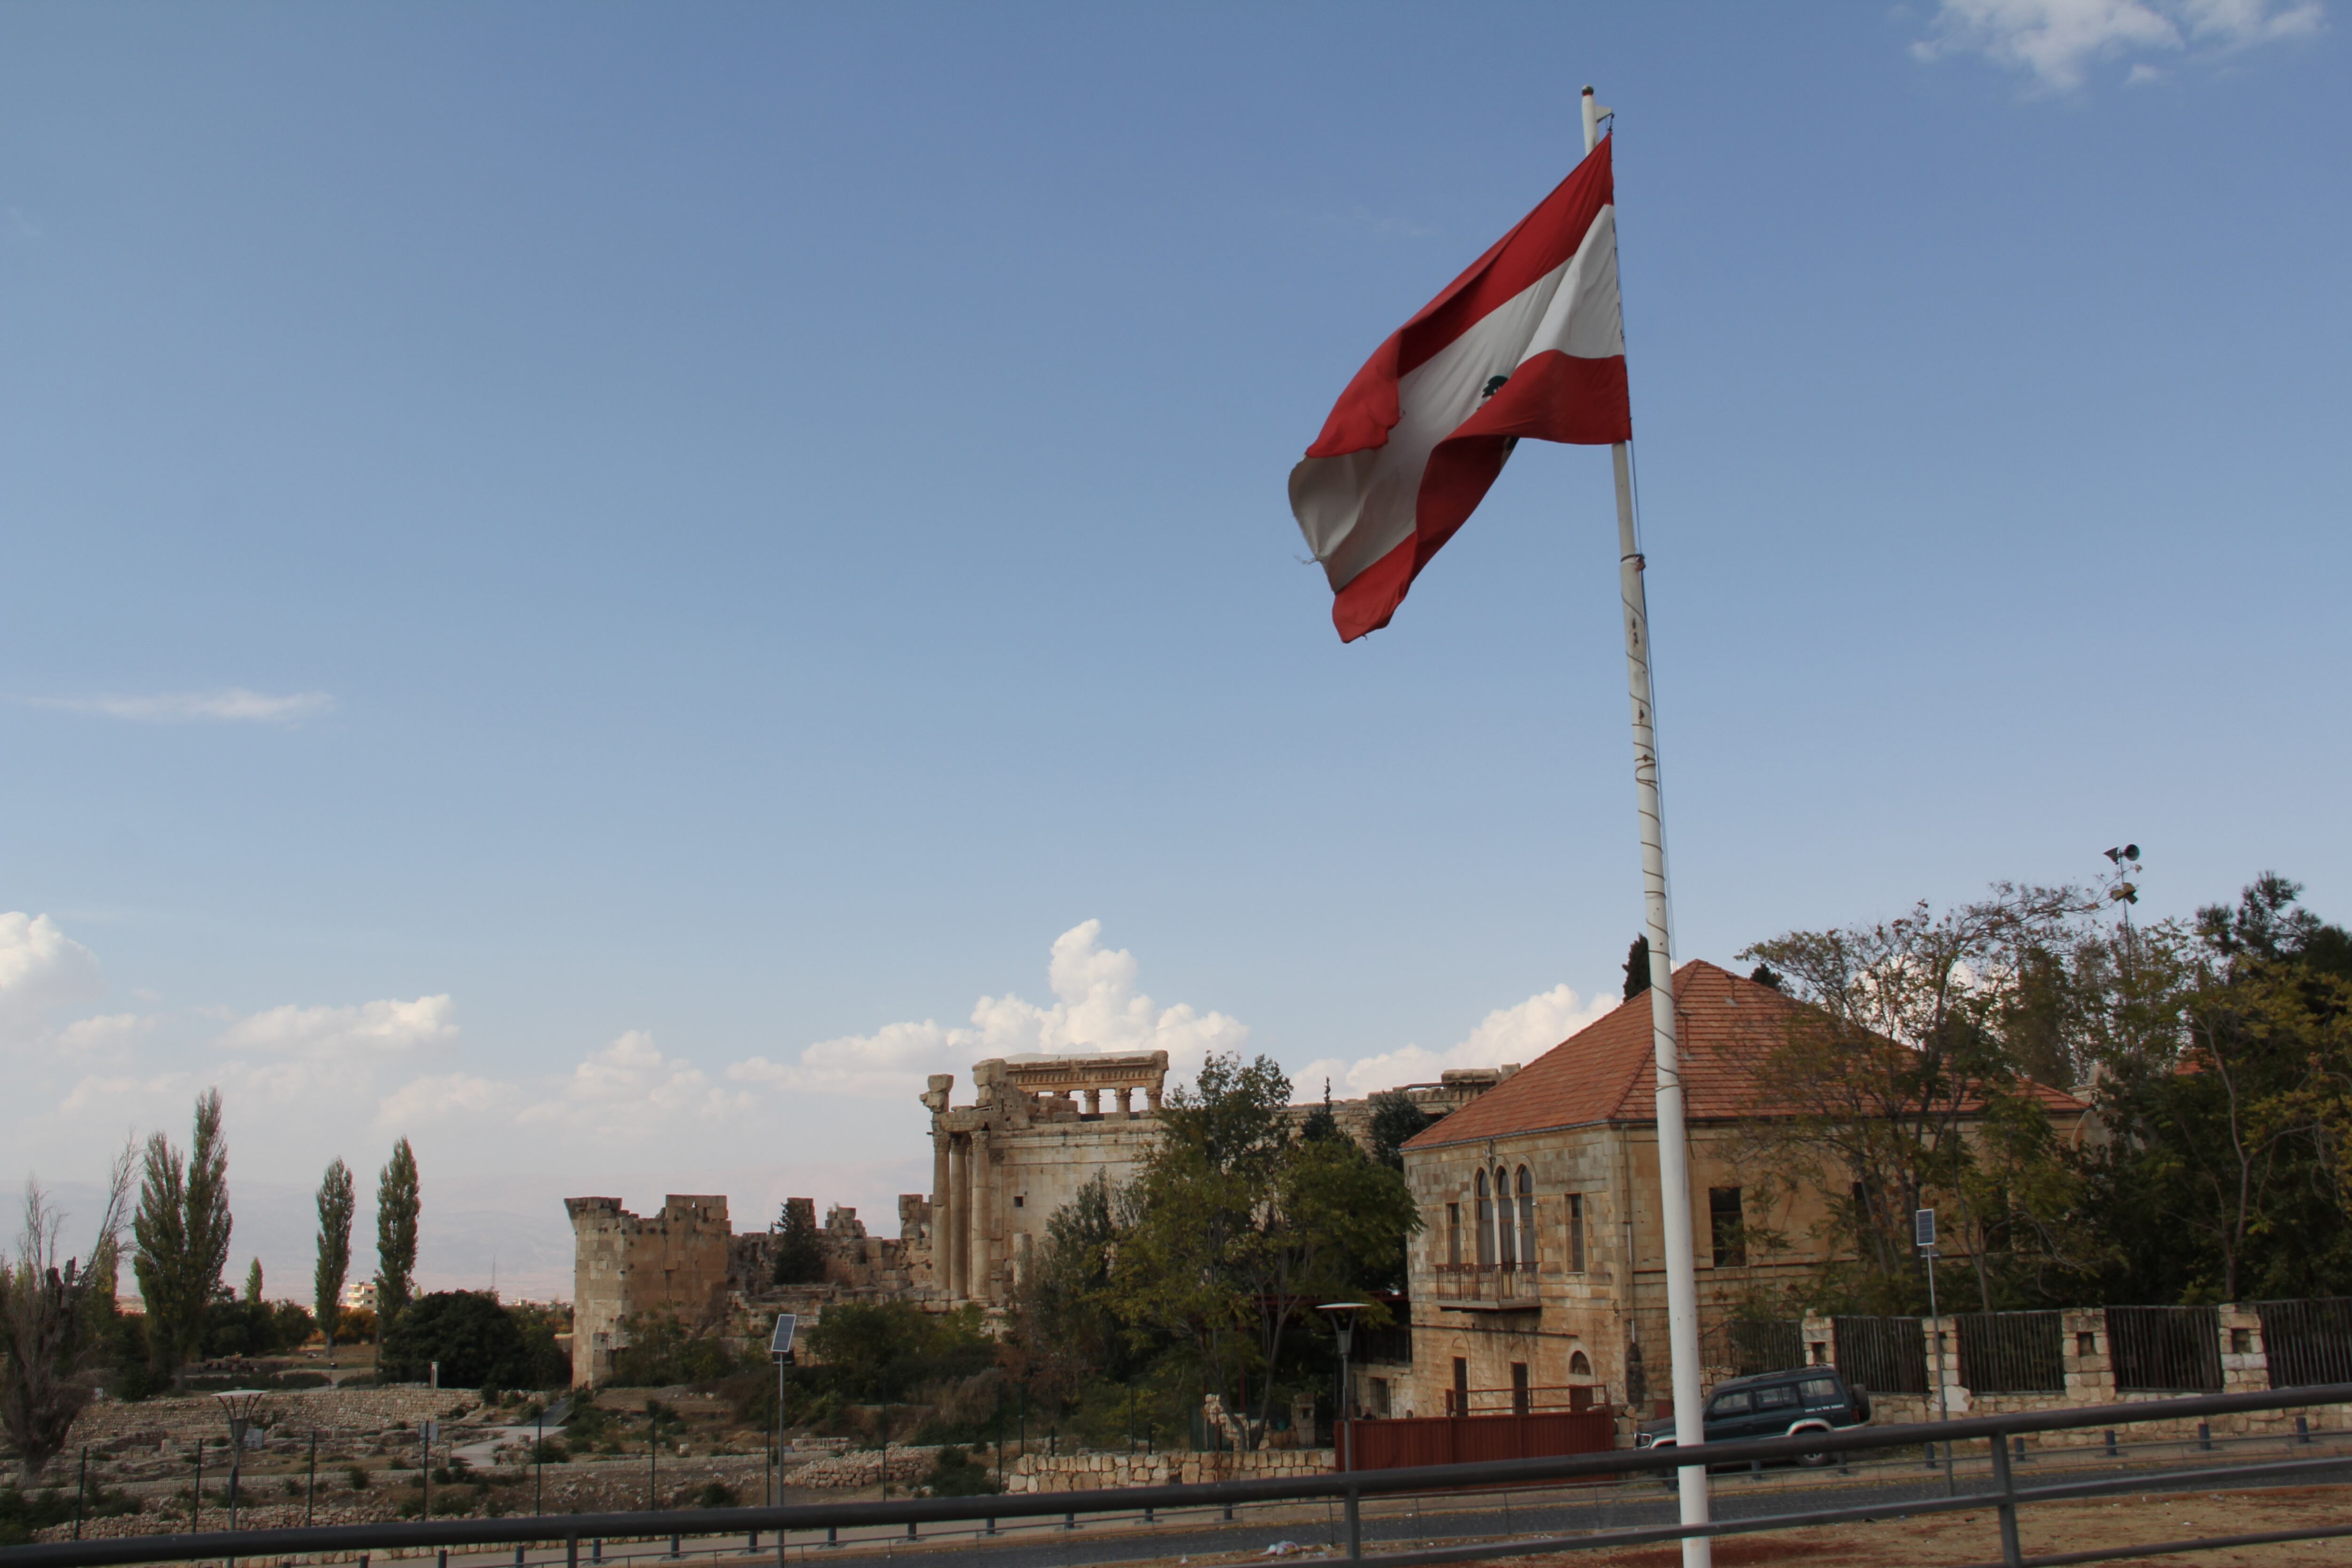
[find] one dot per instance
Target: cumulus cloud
(369, 1030)
(41, 969)
(1096, 1007)
(437, 1096)
(1517, 1033)
(107, 1033)
(2058, 40)
(630, 1091)
(232, 704)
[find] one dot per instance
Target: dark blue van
(1773, 1405)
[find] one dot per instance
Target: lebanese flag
(1528, 341)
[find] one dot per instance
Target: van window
(1821, 1390)
(1732, 1403)
(1777, 1397)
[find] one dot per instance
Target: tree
(1238, 1229)
(53, 1319)
(334, 1251)
(799, 1245)
(253, 1284)
(477, 1342)
(1065, 1329)
(396, 1204)
(1637, 967)
(182, 1229)
(1395, 1121)
(1898, 1048)
(2230, 1097)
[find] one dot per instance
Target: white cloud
(232, 704)
(2058, 40)
(1509, 1034)
(41, 969)
(367, 1031)
(1096, 1007)
(437, 1096)
(630, 1091)
(106, 1034)
(110, 1089)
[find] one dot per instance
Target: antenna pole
(1673, 1145)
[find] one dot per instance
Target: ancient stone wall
(678, 1261)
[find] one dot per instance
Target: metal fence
(1765, 1344)
(1350, 1491)
(2307, 1342)
(2165, 1350)
(1495, 1282)
(2011, 1353)
(1884, 1355)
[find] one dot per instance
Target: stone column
(983, 1219)
(1151, 1097)
(1094, 1102)
(958, 1228)
(942, 1208)
(1126, 1102)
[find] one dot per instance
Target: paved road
(1391, 1524)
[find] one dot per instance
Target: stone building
(1539, 1279)
(1037, 1130)
(674, 1261)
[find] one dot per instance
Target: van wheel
(1815, 1461)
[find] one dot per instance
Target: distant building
(1039, 1128)
(1539, 1279)
(359, 1296)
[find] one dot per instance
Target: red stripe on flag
(1551, 397)
(1541, 241)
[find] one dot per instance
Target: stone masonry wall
(1102, 1472)
(336, 1413)
(2090, 1381)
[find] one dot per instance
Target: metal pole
(1673, 1155)
(425, 1475)
(539, 1465)
(310, 1492)
(82, 1490)
(1943, 1390)
(197, 1508)
(1355, 1526)
(2009, 1553)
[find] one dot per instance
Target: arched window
(1507, 1247)
(1526, 1217)
(1486, 1223)
(1578, 1366)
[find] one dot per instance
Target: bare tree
(1899, 1058)
(51, 1323)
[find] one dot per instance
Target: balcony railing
(1495, 1284)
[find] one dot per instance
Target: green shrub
(716, 1494)
(955, 1473)
(357, 1478)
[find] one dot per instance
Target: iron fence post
(2011, 1556)
(1355, 1525)
(572, 1552)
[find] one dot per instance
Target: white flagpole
(1674, 1148)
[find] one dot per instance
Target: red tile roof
(1723, 1026)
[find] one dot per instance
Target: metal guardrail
(1350, 1489)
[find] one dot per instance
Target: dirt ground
(1947, 1540)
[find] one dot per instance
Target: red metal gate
(1466, 1439)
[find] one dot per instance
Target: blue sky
(583, 583)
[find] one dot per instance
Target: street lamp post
(239, 1405)
(1343, 1329)
(780, 1350)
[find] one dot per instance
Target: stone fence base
(1099, 1472)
